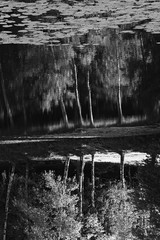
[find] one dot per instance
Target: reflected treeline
(101, 75)
(39, 204)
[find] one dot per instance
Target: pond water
(79, 63)
(64, 62)
(89, 80)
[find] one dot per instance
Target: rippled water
(92, 26)
(52, 22)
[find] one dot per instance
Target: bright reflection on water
(131, 158)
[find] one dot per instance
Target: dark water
(36, 77)
(44, 52)
(76, 62)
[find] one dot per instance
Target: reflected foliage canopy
(36, 79)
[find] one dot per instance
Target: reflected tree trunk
(119, 98)
(26, 192)
(81, 181)
(24, 109)
(154, 159)
(64, 113)
(129, 175)
(4, 179)
(122, 168)
(26, 181)
(22, 60)
(5, 99)
(11, 178)
(77, 96)
(93, 183)
(77, 170)
(90, 99)
(143, 56)
(66, 169)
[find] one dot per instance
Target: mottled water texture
(54, 22)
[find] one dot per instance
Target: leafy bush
(119, 214)
(51, 212)
(92, 227)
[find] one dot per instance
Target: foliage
(119, 213)
(92, 227)
(58, 78)
(48, 209)
(52, 212)
(147, 200)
